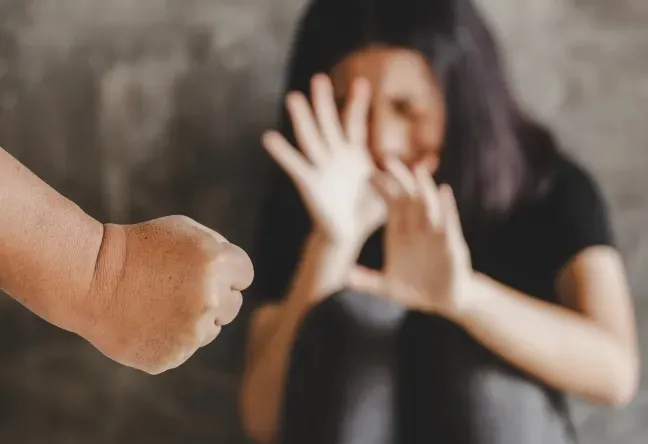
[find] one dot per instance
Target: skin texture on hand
(165, 287)
(146, 295)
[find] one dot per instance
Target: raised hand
(334, 168)
(163, 289)
(427, 264)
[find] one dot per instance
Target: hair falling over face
(439, 95)
(439, 88)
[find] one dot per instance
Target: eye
(404, 107)
(409, 108)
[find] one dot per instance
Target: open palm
(427, 260)
(334, 168)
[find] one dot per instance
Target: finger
(210, 334)
(411, 207)
(236, 267)
(386, 186)
(225, 305)
(365, 280)
(305, 127)
(207, 329)
(430, 194)
(327, 112)
(356, 114)
(288, 158)
(229, 260)
(403, 176)
(397, 200)
(229, 272)
(390, 191)
(451, 218)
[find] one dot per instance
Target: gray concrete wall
(140, 108)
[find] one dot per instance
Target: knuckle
(229, 306)
(154, 370)
(192, 331)
(178, 220)
(211, 246)
(236, 263)
(188, 311)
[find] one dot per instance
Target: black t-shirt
(482, 398)
(447, 387)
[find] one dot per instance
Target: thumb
(367, 280)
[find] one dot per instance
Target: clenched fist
(162, 289)
(146, 295)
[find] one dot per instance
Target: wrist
(340, 243)
(325, 266)
(469, 297)
(109, 269)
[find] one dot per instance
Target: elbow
(255, 425)
(256, 432)
(249, 421)
(621, 395)
(623, 387)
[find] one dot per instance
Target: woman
(515, 295)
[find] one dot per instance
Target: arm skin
(588, 349)
(323, 270)
(48, 246)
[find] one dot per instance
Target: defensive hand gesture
(333, 171)
(428, 264)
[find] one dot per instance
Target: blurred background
(140, 108)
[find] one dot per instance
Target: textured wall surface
(136, 109)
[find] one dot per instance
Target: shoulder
(574, 186)
(572, 198)
(575, 212)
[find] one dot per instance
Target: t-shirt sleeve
(579, 213)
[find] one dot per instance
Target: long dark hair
(494, 156)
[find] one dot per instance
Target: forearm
(264, 379)
(323, 271)
(48, 245)
(558, 346)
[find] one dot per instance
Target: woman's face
(407, 115)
